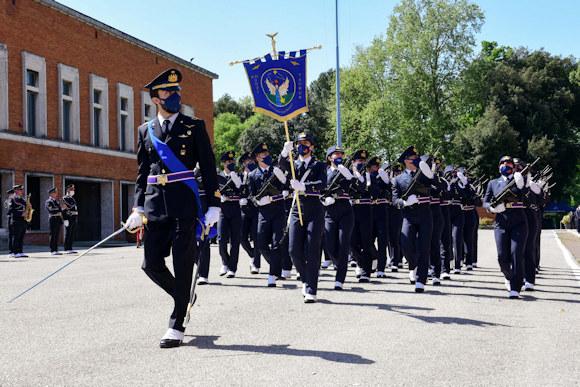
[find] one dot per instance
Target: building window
(69, 103)
(125, 117)
(34, 88)
(99, 111)
(3, 87)
(147, 107)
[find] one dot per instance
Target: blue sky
(215, 32)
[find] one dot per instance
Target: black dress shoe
(419, 290)
(169, 343)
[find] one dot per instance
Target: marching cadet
(230, 221)
(381, 194)
(249, 215)
(286, 259)
(266, 185)
(437, 187)
(7, 202)
(169, 147)
(411, 193)
(362, 247)
(205, 253)
(469, 201)
(504, 197)
(532, 198)
(17, 220)
(446, 234)
(70, 215)
(457, 220)
(305, 239)
(55, 220)
(395, 222)
(339, 216)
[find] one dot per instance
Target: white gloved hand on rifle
(288, 146)
(135, 220)
(243, 202)
(328, 201)
(212, 216)
(344, 172)
(384, 176)
(462, 179)
(279, 175)
(236, 179)
(265, 201)
(424, 167)
(499, 208)
(66, 223)
(412, 199)
(297, 185)
(519, 179)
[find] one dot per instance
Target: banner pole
(338, 123)
(296, 196)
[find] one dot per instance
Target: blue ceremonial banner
(279, 85)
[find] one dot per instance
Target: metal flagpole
(338, 128)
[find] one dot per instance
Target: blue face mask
(267, 160)
(374, 174)
(303, 149)
(231, 167)
(416, 162)
(171, 104)
(251, 166)
(505, 170)
(337, 161)
(360, 167)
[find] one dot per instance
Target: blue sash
(175, 165)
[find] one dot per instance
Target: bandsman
(70, 214)
(55, 219)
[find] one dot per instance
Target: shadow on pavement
(209, 342)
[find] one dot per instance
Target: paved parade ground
(99, 323)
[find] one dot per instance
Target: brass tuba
(29, 210)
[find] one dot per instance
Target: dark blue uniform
(16, 223)
(205, 253)
(55, 222)
(438, 186)
(511, 231)
(305, 240)
(171, 209)
(249, 223)
(70, 213)
(230, 222)
(338, 221)
(446, 233)
(417, 221)
(457, 219)
(381, 193)
(469, 203)
(271, 219)
(533, 203)
(362, 247)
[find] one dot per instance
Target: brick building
(71, 99)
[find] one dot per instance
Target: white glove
(519, 180)
(223, 199)
(542, 183)
(285, 193)
(265, 201)
(212, 216)
(425, 169)
(328, 201)
(433, 167)
(462, 178)
(498, 209)
(236, 179)
(528, 179)
(412, 199)
(243, 202)
(288, 146)
(280, 175)
(297, 185)
(393, 180)
(384, 176)
(66, 223)
(135, 220)
(535, 187)
(359, 176)
(345, 172)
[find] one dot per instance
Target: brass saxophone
(29, 210)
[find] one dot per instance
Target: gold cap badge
(172, 77)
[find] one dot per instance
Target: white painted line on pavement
(568, 257)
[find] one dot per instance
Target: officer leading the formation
(55, 219)
(165, 195)
(70, 214)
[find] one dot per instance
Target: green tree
(227, 130)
